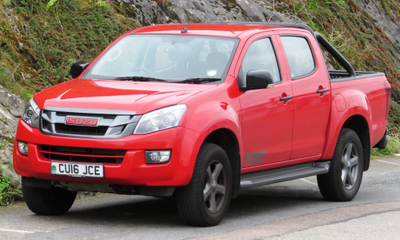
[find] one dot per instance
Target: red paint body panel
(362, 97)
(299, 130)
(311, 110)
(140, 97)
(263, 114)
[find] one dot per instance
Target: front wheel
(205, 200)
(343, 180)
(48, 201)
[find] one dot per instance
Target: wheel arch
(359, 124)
(227, 140)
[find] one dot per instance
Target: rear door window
(299, 56)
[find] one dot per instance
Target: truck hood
(140, 97)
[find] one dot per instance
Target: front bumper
(132, 171)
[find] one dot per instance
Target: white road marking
(305, 180)
(17, 231)
(388, 162)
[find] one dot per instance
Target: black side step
(283, 174)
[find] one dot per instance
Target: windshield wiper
(140, 78)
(200, 80)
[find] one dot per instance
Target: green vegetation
(7, 192)
(393, 147)
(40, 39)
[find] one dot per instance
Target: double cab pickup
(201, 112)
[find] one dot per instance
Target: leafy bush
(7, 192)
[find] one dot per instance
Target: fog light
(157, 156)
(23, 147)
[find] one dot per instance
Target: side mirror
(258, 79)
(77, 69)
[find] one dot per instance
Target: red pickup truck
(200, 112)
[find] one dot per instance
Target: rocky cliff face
(149, 12)
(11, 109)
(384, 20)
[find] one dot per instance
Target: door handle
(286, 98)
(322, 90)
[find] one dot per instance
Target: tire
(48, 201)
(205, 200)
(343, 180)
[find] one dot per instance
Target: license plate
(77, 169)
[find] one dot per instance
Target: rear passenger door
(267, 114)
(311, 95)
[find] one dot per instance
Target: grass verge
(392, 148)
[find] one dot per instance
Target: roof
(210, 29)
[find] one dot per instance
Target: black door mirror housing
(77, 69)
(258, 79)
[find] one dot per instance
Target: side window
(260, 55)
(299, 55)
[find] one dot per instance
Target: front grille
(111, 123)
(87, 155)
(81, 130)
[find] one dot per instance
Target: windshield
(173, 58)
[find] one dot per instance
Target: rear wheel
(343, 180)
(205, 200)
(48, 201)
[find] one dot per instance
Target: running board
(283, 174)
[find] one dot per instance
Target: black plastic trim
(322, 90)
(77, 69)
(35, 182)
(162, 191)
(276, 175)
(382, 144)
(286, 98)
(369, 75)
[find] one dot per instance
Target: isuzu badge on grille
(82, 121)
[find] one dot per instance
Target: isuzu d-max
(201, 112)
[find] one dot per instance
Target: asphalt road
(290, 210)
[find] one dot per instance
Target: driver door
(267, 114)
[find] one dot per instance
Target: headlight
(160, 119)
(31, 114)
